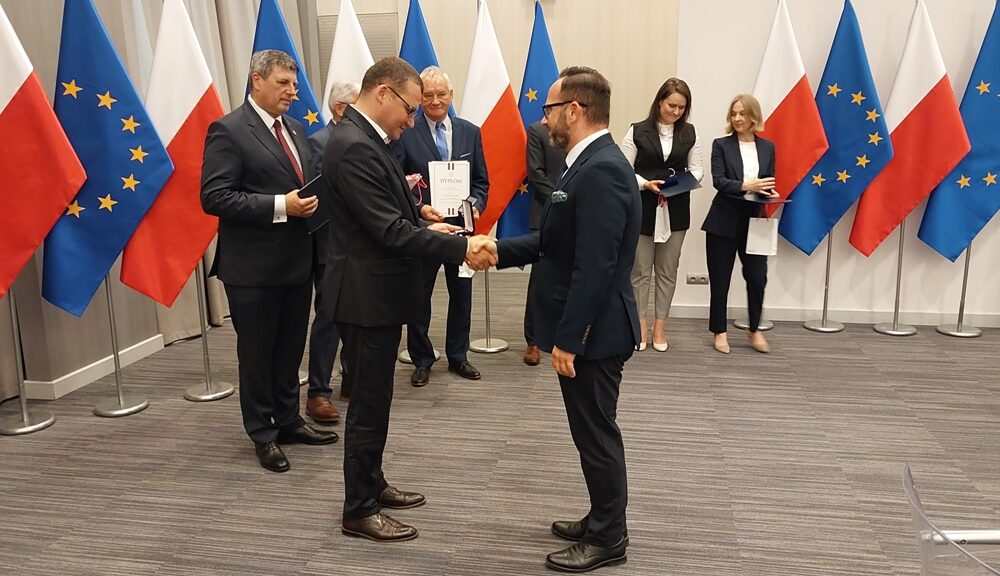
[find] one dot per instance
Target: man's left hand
(475, 215)
(562, 361)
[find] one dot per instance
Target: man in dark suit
(256, 158)
(324, 337)
(545, 166)
(377, 246)
(584, 306)
(436, 136)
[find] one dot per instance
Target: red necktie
(288, 151)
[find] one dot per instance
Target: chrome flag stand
(897, 329)
(122, 405)
(208, 390)
(959, 329)
(488, 345)
(824, 325)
(27, 421)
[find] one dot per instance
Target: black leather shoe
(583, 557)
(306, 434)
(420, 376)
(378, 527)
(575, 529)
(465, 370)
(393, 497)
(271, 457)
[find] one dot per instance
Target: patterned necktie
(288, 151)
(442, 144)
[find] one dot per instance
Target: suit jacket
(545, 166)
(583, 299)
(729, 215)
(416, 148)
(317, 145)
(649, 164)
(244, 168)
(374, 270)
(321, 238)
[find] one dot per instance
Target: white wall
(719, 54)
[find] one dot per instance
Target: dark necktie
(288, 151)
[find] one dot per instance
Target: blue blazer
(416, 148)
(729, 215)
(583, 301)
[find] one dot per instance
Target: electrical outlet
(697, 279)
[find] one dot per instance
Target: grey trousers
(660, 260)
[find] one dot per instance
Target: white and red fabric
(927, 132)
(350, 57)
(39, 171)
(489, 103)
(791, 118)
(182, 101)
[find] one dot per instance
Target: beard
(559, 133)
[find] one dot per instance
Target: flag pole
(123, 405)
(488, 345)
(27, 421)
(897, 329)
(208, 390)
(960, 330)
(824, 325)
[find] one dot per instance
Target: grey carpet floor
(779, 464)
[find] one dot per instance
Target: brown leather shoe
(378, 527)
(393, 497)
(532, 356)
(320, 409)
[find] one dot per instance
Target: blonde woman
(741, 162)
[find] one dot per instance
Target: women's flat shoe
(724, 348)
(661, 347)
(642, 346)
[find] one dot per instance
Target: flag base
(894, 329)
(207, 392)
(959, 331)
(112, 408)
(488, 345)
(404, 356)
(828, 327)
(32, 421)
(744, 324)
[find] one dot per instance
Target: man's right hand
(481, 252)
(300, 207)
(429, 213)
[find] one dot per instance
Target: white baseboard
(51, 390)
(845, 316)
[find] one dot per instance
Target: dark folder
(679, 184)
(317, 187)
(758, 199)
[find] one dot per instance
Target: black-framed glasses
(410, 110)
(547, 108)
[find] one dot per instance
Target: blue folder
(679, 184)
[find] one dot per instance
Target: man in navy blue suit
(324, 336)
(584, 306)
(436, 136)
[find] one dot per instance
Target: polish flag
(791, 119)
(182, 102)
(350, 57)
(489, 103)
(39, 171)
(928, 137)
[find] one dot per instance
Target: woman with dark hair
(659, 147)
(741, 162)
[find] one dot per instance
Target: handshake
(481, 252)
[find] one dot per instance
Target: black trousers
(721, 255)
(270, 325)
(323, 341)
(529, 323)
(591, 401)
(371, 354)
(456, 344)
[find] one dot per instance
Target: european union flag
(416, 47)
(858, 137)
(125, 161)
(967, 199)
(272, 34)
(540, 72)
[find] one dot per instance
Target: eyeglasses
(410, 110)
(547, 108)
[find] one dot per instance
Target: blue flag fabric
(125, 160)
(540, 72)
(967, 199)
(272, 34)
(850, 109)
(416, 47)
